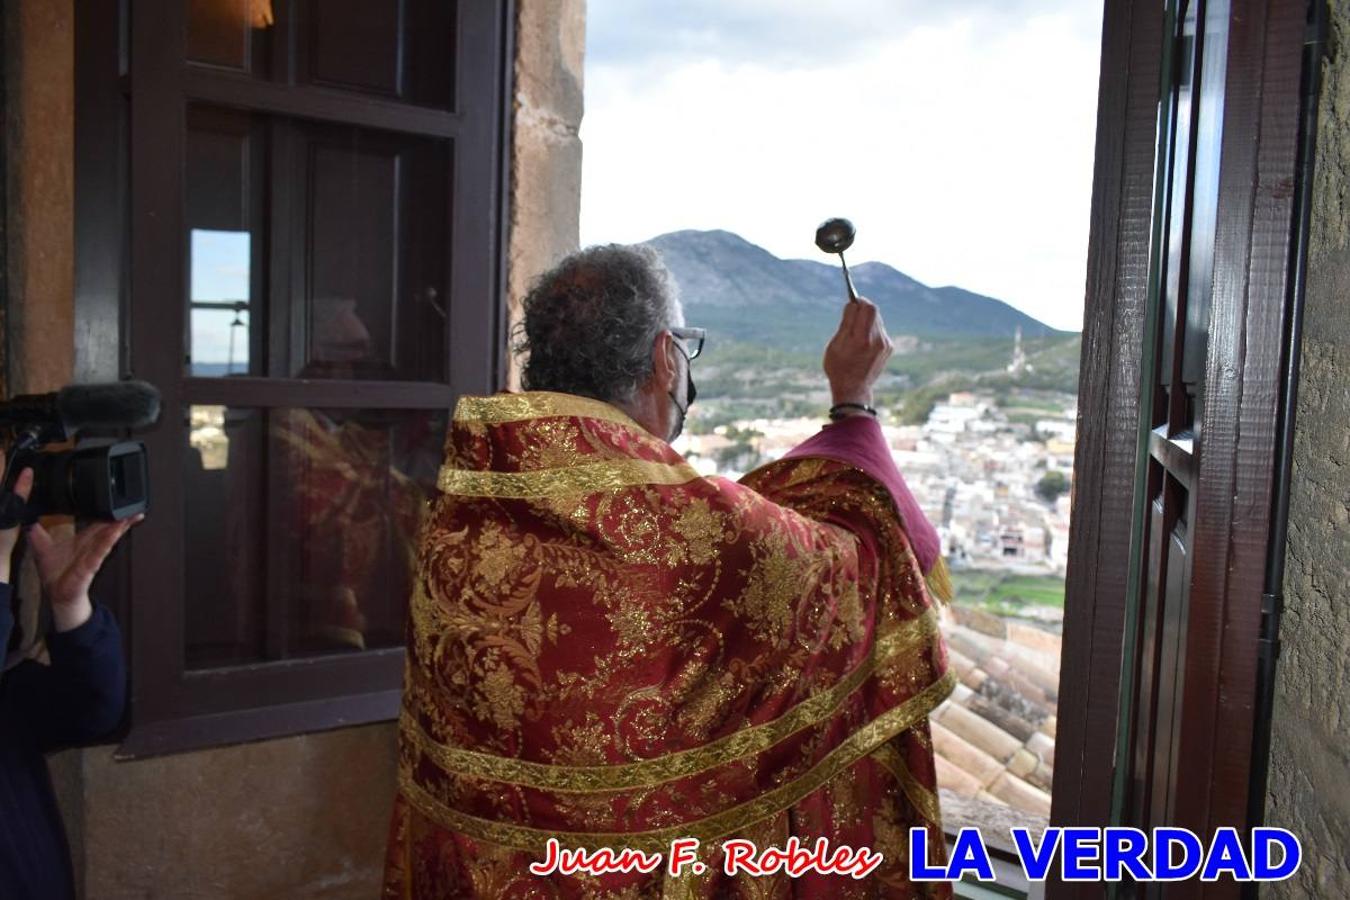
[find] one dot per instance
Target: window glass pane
(315, 251)
(223, 561)
(225, 159)
(403, 51)
(220, 302)
(1205, 200)
(373, 241)
(229, 33)
(1179, 192)
(301, 528)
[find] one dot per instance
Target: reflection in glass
(302, 528)
(354, 274)
(374, 255)
(223, 32)
(1205, 197)
(403, 50)
(340, 343)
(207, 436)
(220, 302)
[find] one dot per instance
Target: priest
(610, 653)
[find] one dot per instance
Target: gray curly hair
(591, 320)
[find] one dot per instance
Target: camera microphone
(100, 479)
(76, 407)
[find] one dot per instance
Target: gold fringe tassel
(940, 581)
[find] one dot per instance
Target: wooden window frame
(1237, 469)
(128, 229)
(4, 219)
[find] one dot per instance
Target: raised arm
(856, 356)
(854, 359)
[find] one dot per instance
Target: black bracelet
(863, 407)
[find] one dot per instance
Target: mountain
(741, 292)
(768, 320)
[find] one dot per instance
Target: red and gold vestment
(607, 648)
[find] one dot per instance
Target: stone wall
(546, 149)
(301, 817)
(1310, 757)
(39, 133)
(304, 816)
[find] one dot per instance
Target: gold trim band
(924, 800)
(850, 750)
(499, 408)
(683, 763)
(585, 479)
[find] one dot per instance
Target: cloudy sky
(957, 135)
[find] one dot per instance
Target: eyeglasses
(693, 338)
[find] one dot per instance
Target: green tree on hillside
(1051, 486)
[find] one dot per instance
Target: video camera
(99, 479)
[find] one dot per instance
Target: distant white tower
(1019, 360)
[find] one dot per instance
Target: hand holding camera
(66, 563)
(104, 481)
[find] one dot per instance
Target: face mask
(690, 393)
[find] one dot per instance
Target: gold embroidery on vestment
(581, 479)
(924, 800)
(658, 770)
(850, 750)
(500, 408)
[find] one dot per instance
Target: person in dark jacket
(76, 697)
